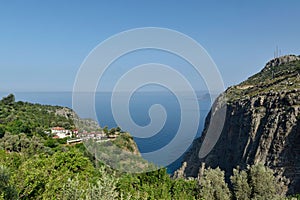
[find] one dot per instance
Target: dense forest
(33, 165)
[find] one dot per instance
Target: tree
(150, 185)
(263, 182)
(43, 176)
(118, 129)
(112, 131)
(7, 191)
(104, 188)
(10, 99)
(23, 143)
(241, 187)
(184, 189)
(105, 129)
(12, 160)
(213, 186)
(256, 182)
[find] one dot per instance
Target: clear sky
(43, 43)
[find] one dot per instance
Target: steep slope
(262, 124)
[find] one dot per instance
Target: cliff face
(262, 124)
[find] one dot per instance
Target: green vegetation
(7, 191)
(213, 186)
(157, 185)
(294, 197)
(256, 182)
(126, 142)
(285, 77)
(35, 166)
(31, 119)
(72, 173)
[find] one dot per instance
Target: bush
(256, 182)
(213, 186)
(241, 187)
(10, 99)
(7, 191)
(104, 188)
(263, 182)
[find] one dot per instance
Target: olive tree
(213, 186)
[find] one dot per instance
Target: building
(60, 132)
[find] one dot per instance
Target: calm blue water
(139, 107)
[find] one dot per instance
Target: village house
(92, 135)
(98, 136)
(60, 132)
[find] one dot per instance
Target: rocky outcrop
(281, 60)
(262, 124)
(65, 112)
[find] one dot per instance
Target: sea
(140, 103)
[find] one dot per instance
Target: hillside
(23, 117)
(34, 166)
(36, 119)
(262, 125)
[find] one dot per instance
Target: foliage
(241, 187)
(263, 182)
(23, 144)
(126, 142)
(185, 189)
(12, 160)
(294, 197)
(45, 175)
(7, 191)
(35, 166)
(22, 117)
(105, 129)
(213, 185)
(104, 188)
(9, 100)
(157, 185)
(256, 182)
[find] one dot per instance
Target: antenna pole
(279, 52)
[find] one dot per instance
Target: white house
(60, 132)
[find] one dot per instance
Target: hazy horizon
(43, 44)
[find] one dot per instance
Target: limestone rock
(262, 124)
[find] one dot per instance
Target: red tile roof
(57, 128)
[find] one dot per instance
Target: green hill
(28, 118)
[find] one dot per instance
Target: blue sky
(43, 43)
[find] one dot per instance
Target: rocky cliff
(262, 124)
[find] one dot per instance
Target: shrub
(213, 186)
(256, 182)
